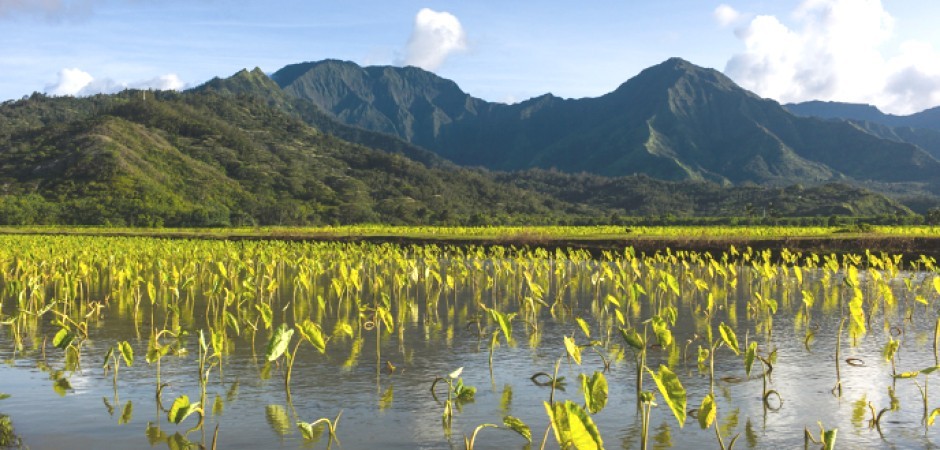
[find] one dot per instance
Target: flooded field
(142, 343)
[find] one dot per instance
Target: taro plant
(573, 426)
(707, 417)
(279, 345)
(311, 431)
(112, 361)
(826, 437)
(183, 408)
(509, 422)
(457, 393)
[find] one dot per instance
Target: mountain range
(333, 142)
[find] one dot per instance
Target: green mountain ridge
(242, 150)
(672, 121)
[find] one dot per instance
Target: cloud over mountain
(436, 35)
(77, 82)
(833, 50)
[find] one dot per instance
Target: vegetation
(61, 289)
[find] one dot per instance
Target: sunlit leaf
(312, 333)
(730, 339)
(181, 409)
(453, 375)
(584, 326)
(63, 338)
(279, 342)
(517, 425)
(707, 412)
(672, 391)
(749, 357)
(633, 338)
(595, 391)
(573, 350)
(127, 352)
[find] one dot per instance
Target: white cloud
(71, 82)
(726, 15)
(76, 82)
(435, 36)
(833, 51)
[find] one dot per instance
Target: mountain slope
(672, 121)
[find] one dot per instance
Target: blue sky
(884, 53)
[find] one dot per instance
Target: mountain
(241, 150)
(921, 129)
(673, 121)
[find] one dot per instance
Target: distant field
(511, 233)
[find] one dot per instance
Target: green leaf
(829, 439)
(127, 413)
(63, 338)
(312, 333)
(267, 316)
(107, 357)
(584, 434)
(936, 284)
(386, 318)
(903, 375)
(584, 326)
(311, 431)
(672, 391)
(517, 425)
(182, 409)
(127, 352)
(279, 342)
(749, 357)
(453, 375)
(730, 339)
(504, 321)
(933, 416)
(595, 391)
(573, 350)
(707, 412)
(232, 321)
(633, 338)
(4, 396)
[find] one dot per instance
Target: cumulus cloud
(76, 82)
(726, 15)
(834, 51)
(435, 36)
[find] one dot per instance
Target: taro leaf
(583, 432)
(707, 412)
(829, 439)
(857, 311)
(181, 409)
(151, 292)
(127, 413)
(311, 431)
(933, 416)
(929, 370)
(573, 350)
(633, 338)
(584, 327)
(313, 334)
(266, 314)
(63, 338)
(71, 358)
(891, 348)
(663, 333)
(902, 375)
(749, 357)
(672, 282)
(504, 321)
(127, 352)
(672, 391)
(279, 342)
(517, 425)
(386, 316)
(453, 375)
(222, 270)
(278, 419)
(107, 357)
(730, 339)
(231, 321)
(343, 328)
(936, 284)
(595, 391)
(218, 340)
